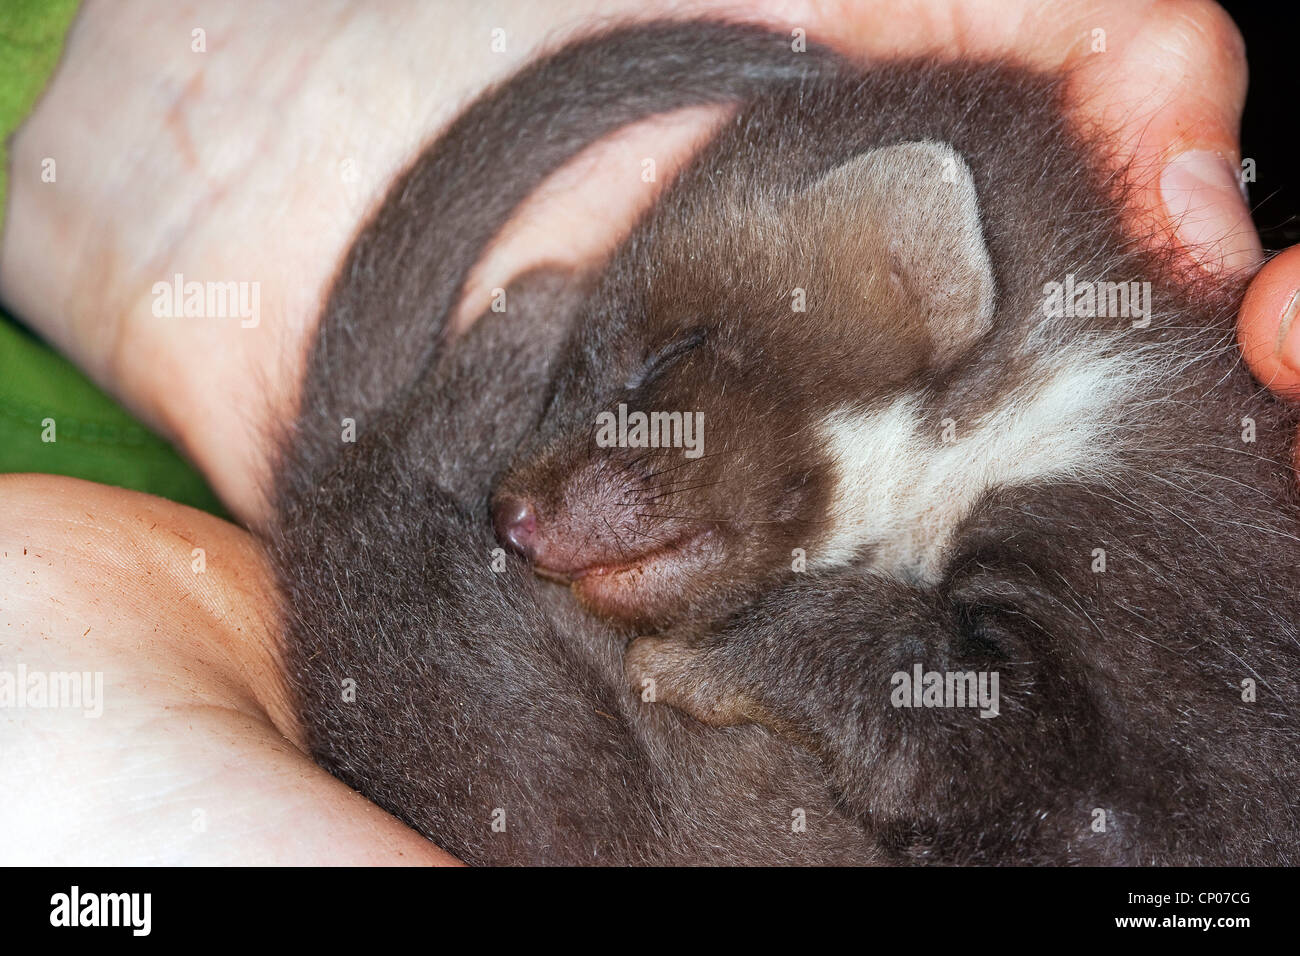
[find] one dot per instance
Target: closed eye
(666, 356)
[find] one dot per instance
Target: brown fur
(480, 690)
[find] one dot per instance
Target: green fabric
(44, 396)
(94, 437)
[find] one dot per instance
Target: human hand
(178, 741)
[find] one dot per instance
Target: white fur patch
(903, 490)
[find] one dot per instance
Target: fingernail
(1202, 195)
(1288, 334)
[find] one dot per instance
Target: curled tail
(390, 302)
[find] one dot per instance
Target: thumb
(1205, 204)
(1169, 92)
(1269, 332)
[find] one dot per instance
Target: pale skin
(258, 160)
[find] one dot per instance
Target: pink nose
(516, 525)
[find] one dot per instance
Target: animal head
(681, 462)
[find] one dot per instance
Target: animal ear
(915, 204)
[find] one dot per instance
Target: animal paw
(692, 675)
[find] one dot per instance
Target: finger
(1160, 82)
(1268, 329)
(1169, 91)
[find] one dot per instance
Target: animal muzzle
(593, 524)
